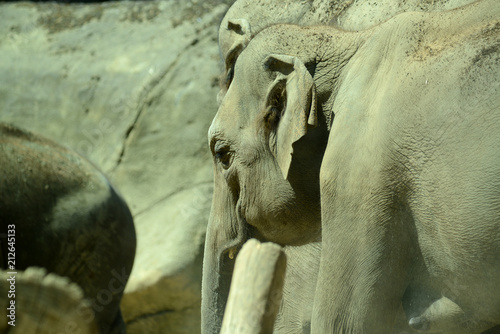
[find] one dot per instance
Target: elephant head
(267, 141)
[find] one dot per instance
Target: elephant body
(412, 195)
(394, 131)
(67, 218)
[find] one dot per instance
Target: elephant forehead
(237, 111)
(251, 78)
(245, 98)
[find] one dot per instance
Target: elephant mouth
(241, 235)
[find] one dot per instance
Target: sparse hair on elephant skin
(68, 219)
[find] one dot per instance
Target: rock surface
(132, 87)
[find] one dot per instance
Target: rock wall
(131, 86)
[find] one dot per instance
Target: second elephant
(58, 212)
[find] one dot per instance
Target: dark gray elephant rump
(68, 219)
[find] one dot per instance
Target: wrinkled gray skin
(394, 130)
(68, 219)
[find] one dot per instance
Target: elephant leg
(361, 281)
(367, 240)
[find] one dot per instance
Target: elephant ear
(239, 26)
(292, 96)
(241, 36)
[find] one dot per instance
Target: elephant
(58, 212)
(241, 23)
(381, 145)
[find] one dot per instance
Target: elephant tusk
(232, 253)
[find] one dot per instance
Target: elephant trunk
(225, 237)
(217, 273)
(226, 234)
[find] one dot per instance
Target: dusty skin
(68, 219)
(381, 144)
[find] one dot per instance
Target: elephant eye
(223, 156)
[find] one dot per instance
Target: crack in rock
(143, 101)
(170, 195)
(149, 315)
(156, 314)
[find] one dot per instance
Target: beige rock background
(131, 86)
